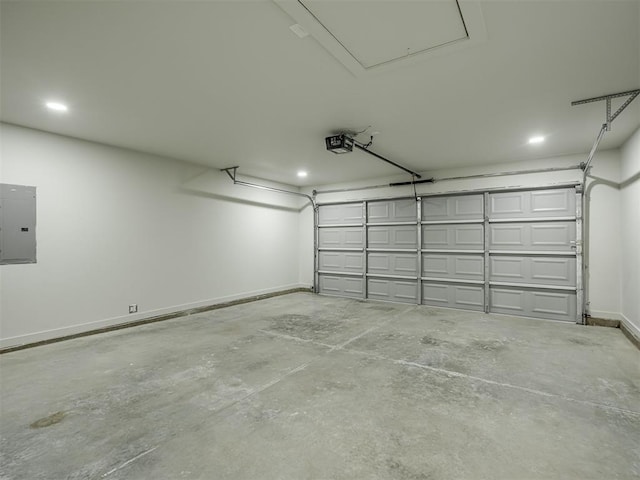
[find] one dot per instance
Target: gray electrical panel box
(17, 224)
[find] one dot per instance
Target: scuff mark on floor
(48, 421)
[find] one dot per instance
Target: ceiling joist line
(606, 127)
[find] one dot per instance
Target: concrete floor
(309, 387)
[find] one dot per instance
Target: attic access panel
(375, 33)
(368, 37)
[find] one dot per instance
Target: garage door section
(341, 250)
(532, 240)
(453, 251)
(511, 252)
(392, 250)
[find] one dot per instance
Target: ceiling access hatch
(379, 32)
(366, 36)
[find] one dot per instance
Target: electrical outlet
(133, 308)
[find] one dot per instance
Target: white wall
(630, 248)
(603, 273)
(116, 227)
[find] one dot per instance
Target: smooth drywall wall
(602, 279)
(117, 227)
(630, 238)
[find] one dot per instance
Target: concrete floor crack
(451, 373)
(372, 329)
(113, 470)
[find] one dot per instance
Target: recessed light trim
(302, 174)
(57, 106)
(298, 30)
(536, 139)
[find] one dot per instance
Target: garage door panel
(395, 236)
(559, 305)
(348, 262)
(552, 203)
(341, 286)
(468, 266)
(454, 208)
(404, 291)
(435, 294)
(403, 264)
(554, 305)
(546, 236)
(533, 204)
(405, 210)
(509, 205)
(468, 207)
(466, 297)
(453, 237)
(557, 271)
(434, 265)
(509, 269)
(508, 301)
(507, 237)
(555, 236)
(462, 267)
(340, 237)
(340, 214)
(436, 236)
(554, 271)
(470, 236)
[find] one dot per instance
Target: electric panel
(17, 224)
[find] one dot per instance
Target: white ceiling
(225, 83)
(378, 32)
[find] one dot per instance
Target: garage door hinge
(577, 245)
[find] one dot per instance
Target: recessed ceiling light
(298, 30)
(57, 106)
(302, 174)
(537, 139)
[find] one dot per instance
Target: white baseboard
(606, 315)
(631, 327)
(123, 319)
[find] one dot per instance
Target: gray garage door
(507, 252)
(341, 250)
(532, 253)
(453, 261)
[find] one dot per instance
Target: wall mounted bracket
(582, 213)
(610, 118)
(631, 94)
(231, 172)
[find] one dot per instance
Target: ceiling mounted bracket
(606, 127)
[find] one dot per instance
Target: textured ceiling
(227, 83)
